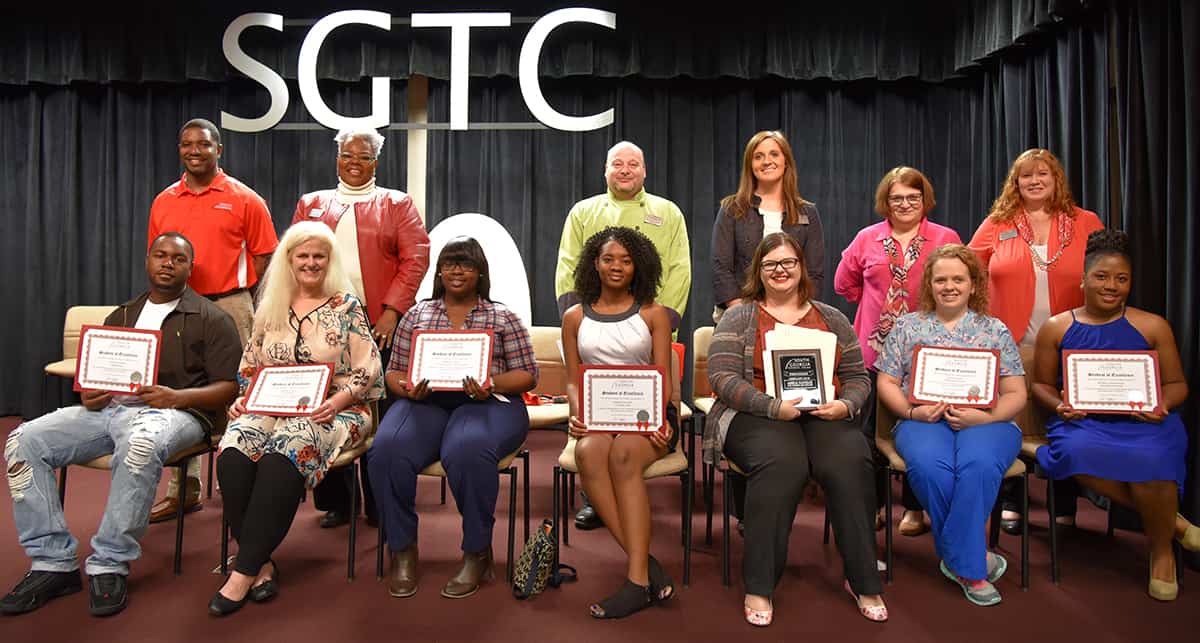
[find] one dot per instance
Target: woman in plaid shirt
(469, 430)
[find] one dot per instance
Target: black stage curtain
(82, 165)
(927, 39)
(845, 135)
(1157, 65)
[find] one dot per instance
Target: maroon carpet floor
(1102, 596)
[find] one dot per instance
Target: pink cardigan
(863, 276)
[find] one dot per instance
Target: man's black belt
(227, 293)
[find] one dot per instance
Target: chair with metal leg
(504, 467)
(178, 461)
(896, 468)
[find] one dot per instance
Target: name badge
(1007, 234)
(223, 206)
(652, 219)
(316, 213)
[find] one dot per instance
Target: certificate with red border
(622, 399)
(112, 358)
(445, 357)
(967, 377)
(288, 390)
(1112, 381)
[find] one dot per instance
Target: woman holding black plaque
(618, 323)
(956, 454)
(1136, 459)
(777, 443)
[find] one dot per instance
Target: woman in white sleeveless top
(618, 323)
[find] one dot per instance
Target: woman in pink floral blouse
(881, 272)
(306, 315)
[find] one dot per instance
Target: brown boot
(402, 579)
(476, 568)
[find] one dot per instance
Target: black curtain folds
(82, 165)
(926, 39)
(90, 107)
(1157, 51)
(845, 137)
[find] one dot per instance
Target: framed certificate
(291, 390)
(622, 398)
(445, 357)
(798, 376)
(967, 377)
(1112, 381)
(116, 359)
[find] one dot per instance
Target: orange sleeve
(984, 240)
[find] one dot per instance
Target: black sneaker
(38, 588)
(109, 594)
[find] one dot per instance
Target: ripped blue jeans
(140, 439)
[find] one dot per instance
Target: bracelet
(910, 410)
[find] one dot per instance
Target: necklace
(1066, 232)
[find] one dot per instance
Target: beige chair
(178, 461)
(677, 463)
(77, 317)
(504, 467)
(347, 458)
(885, 442)
(1032, 421)
(552, 379)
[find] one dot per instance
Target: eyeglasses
(787, 264)
(464, 265)
(912, 199)
(361, 158)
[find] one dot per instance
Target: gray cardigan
(731, 372)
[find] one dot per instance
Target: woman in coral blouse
(1032, 243)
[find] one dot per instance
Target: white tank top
(618, 339)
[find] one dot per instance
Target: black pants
(260, 499)
(1065, 493)
(334, 491)
(778, 457)
(907, 497)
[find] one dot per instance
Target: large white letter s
(255, 70)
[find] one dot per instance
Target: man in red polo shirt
(231, 229)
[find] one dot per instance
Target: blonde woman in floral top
(306, 314)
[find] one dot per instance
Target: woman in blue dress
(1136, 460)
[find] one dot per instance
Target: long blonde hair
(739, 203)
(279, 286)
(1009, 202)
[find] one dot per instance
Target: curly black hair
(1103, 243)
(647, 265)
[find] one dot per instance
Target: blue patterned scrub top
(972, 331)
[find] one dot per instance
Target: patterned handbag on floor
(538, 565)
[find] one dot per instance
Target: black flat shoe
(221, 606)
(333, 519)
(587, 519)
(269, 588)
(1012, 527)
(662, 588)
(627, 600)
